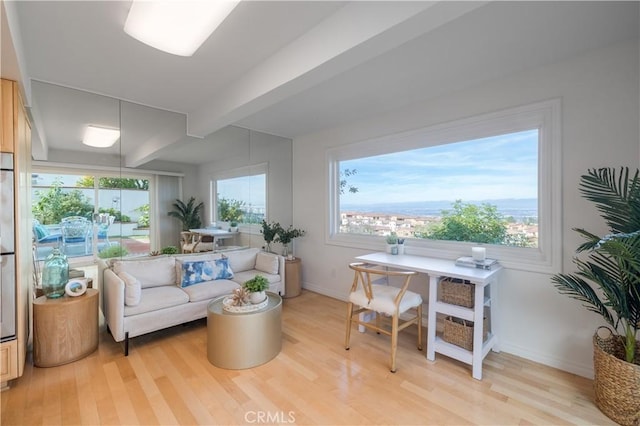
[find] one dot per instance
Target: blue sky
(250, 189)
(496, 167)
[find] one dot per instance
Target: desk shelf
(476, 314)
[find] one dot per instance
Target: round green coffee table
(243, 340)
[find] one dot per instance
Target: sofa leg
(126, 344)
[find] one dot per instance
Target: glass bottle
(55, 274)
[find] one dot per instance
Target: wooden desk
(64, 329)
(485, 282)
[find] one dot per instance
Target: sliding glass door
(90, 215)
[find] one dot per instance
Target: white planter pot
(257, 296)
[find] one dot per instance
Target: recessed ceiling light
(100, 137)
(177, 27)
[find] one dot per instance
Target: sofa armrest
(114, 304)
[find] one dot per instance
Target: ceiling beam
(355, 33)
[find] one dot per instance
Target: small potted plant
(233, 226)
(392, 242)
(285, 236)
(256, 287)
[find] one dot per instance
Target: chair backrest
(366, 275)
(189, 241)
(75, 228)
(105, 220)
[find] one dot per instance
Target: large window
(240, 196)
(486, 180)
(483, 191)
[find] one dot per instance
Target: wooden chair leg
(394, 341)
(349, 317)
(377, 321)
(419, 313)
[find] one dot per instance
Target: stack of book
(469, 262)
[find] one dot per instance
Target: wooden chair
(383, 299)
(189, 241)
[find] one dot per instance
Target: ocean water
(519, 209)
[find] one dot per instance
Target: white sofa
(142, 295)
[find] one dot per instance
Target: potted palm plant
(607, 281)
(187, 213)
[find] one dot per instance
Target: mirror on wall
(134, 183)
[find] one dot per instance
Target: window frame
(545, 116)
(246, 171)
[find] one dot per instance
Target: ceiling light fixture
(100, 137)
(176, 27)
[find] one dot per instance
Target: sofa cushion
(151, 272)
(41, 231)
(191, 258)
(132, 289)
(242, 277)
(205, 270)
(268, 263)
(243, 260)
(156, 298)
(210, 289)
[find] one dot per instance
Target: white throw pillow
(151, 272)
(267, 262)
(242, 260)
(132, 289)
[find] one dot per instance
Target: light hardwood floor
(167, 379)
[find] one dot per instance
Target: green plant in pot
(256, 287)
(269, 232)
(286, 236)
(188, 213)
(392, 241)
(607, 281)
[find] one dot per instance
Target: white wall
(600, 112)
(246, 148)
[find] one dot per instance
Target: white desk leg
(364, 317)
(478, 322)
(431, 326)
(495, 324)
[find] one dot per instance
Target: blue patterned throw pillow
(205, 270)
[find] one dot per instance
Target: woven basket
(616, 382)
(457, 292)
(460, 332)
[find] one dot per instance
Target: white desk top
(213, 232)
(432, 266)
